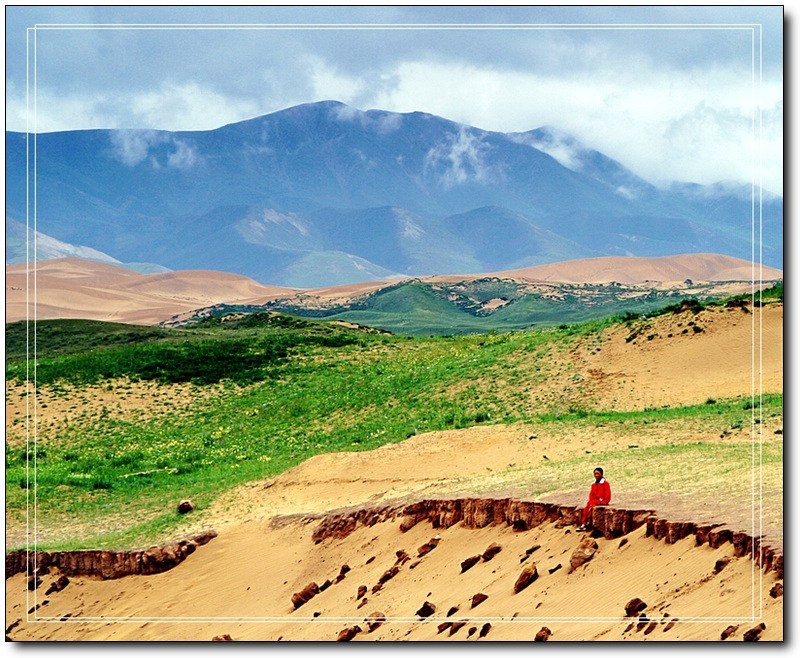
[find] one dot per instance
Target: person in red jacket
(599, 494)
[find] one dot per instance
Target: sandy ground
(242, 582)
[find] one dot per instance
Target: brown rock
(347, 634)
(479, 598)
(443, 626)
(362, 590)
(374, 620)
(720, 564)
(402, 557)
(407, 523)
(491, 551)
(305, 595)
(543, 635)
(429, 546)
(222, 638)
(186, 506)
(325, 585)
(485, 629)
(362, 604)
(388, 575)
(452, 611)
(456, 626)
(471, 631)
(643, 622)
(552, 570)
(776, 591)
(728, 632)
(754, 634)
(528, 575)
(583, 553)
(651, 627)
(426, 610)
(34, 582)
(342, 572)
(57, 585)
(634, 607)
(470, 562)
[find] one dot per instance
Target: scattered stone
(443, 626)
(543, 635)
(362, 590)
(428, 547)
(325, 585)
(370, 560)
(388, 575)
(305, 595)
(347, 634)
(471, 631)
(186, 506)
(470, 562)
(456, 626)
(316, 614)
(426, 610)
(583, 553)
(414, 565)
(776, 591)
(402, 557)
(362, 604)
(485, 630)
(671, 625)
(479, 598)
(490, 552)
(554, 569)
(57, 585)
(634, 607)
(720, 564)
(452, 611)
(12, 626)
(651, 627)
(34, 582)
(523, 558)
(728, 632)
(374, 620)
(628, 628)
(754, 634)
(644, 620)
(222, 638)
(622, 542)
(342, 572)
(533, 548)
(377, 587)
(528, 575)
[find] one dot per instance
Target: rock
(554, 569)
(452, 611)
(414, 564)
(342, 572)
(305, 595)
(643, 622)
(34, 582)
(622, 542)
(470, 562)
(374, 620)
(402, 557)
(388, 575)
(528, 575)
(316, 614)
(57, 585)
(485, 629)
(429, 546)
(471, 631)
(443, 626)
(222, 638)
(362, 590)
(754, 634)
(325, 585)
(479, 598)
(362, 604)
(583, 553)
(186, 506)
(456, 626)
(720, 564)
(543, 635)
(776, 591)
(533, 548)
(634, 607)
(728, 632)
(347, 634)
(426, 610)
(491, 551)
(671, 624)
(651, 627)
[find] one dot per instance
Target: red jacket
(600, 493)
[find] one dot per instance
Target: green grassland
(272, 391)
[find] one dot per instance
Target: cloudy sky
(675, 93)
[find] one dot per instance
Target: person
(599, 494)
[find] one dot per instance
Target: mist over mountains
(323, 194)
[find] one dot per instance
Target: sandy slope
(250, 571)
(75, 288)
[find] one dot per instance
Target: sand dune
(75, 288)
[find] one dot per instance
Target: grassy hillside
(130, 420)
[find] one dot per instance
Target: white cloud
(460, 158)
(132, 147)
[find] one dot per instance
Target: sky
(699, 99)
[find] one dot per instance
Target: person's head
(598, 473)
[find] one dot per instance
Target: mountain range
(323, 194)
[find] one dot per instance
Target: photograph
(394, 323)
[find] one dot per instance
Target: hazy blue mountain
(322, 192)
